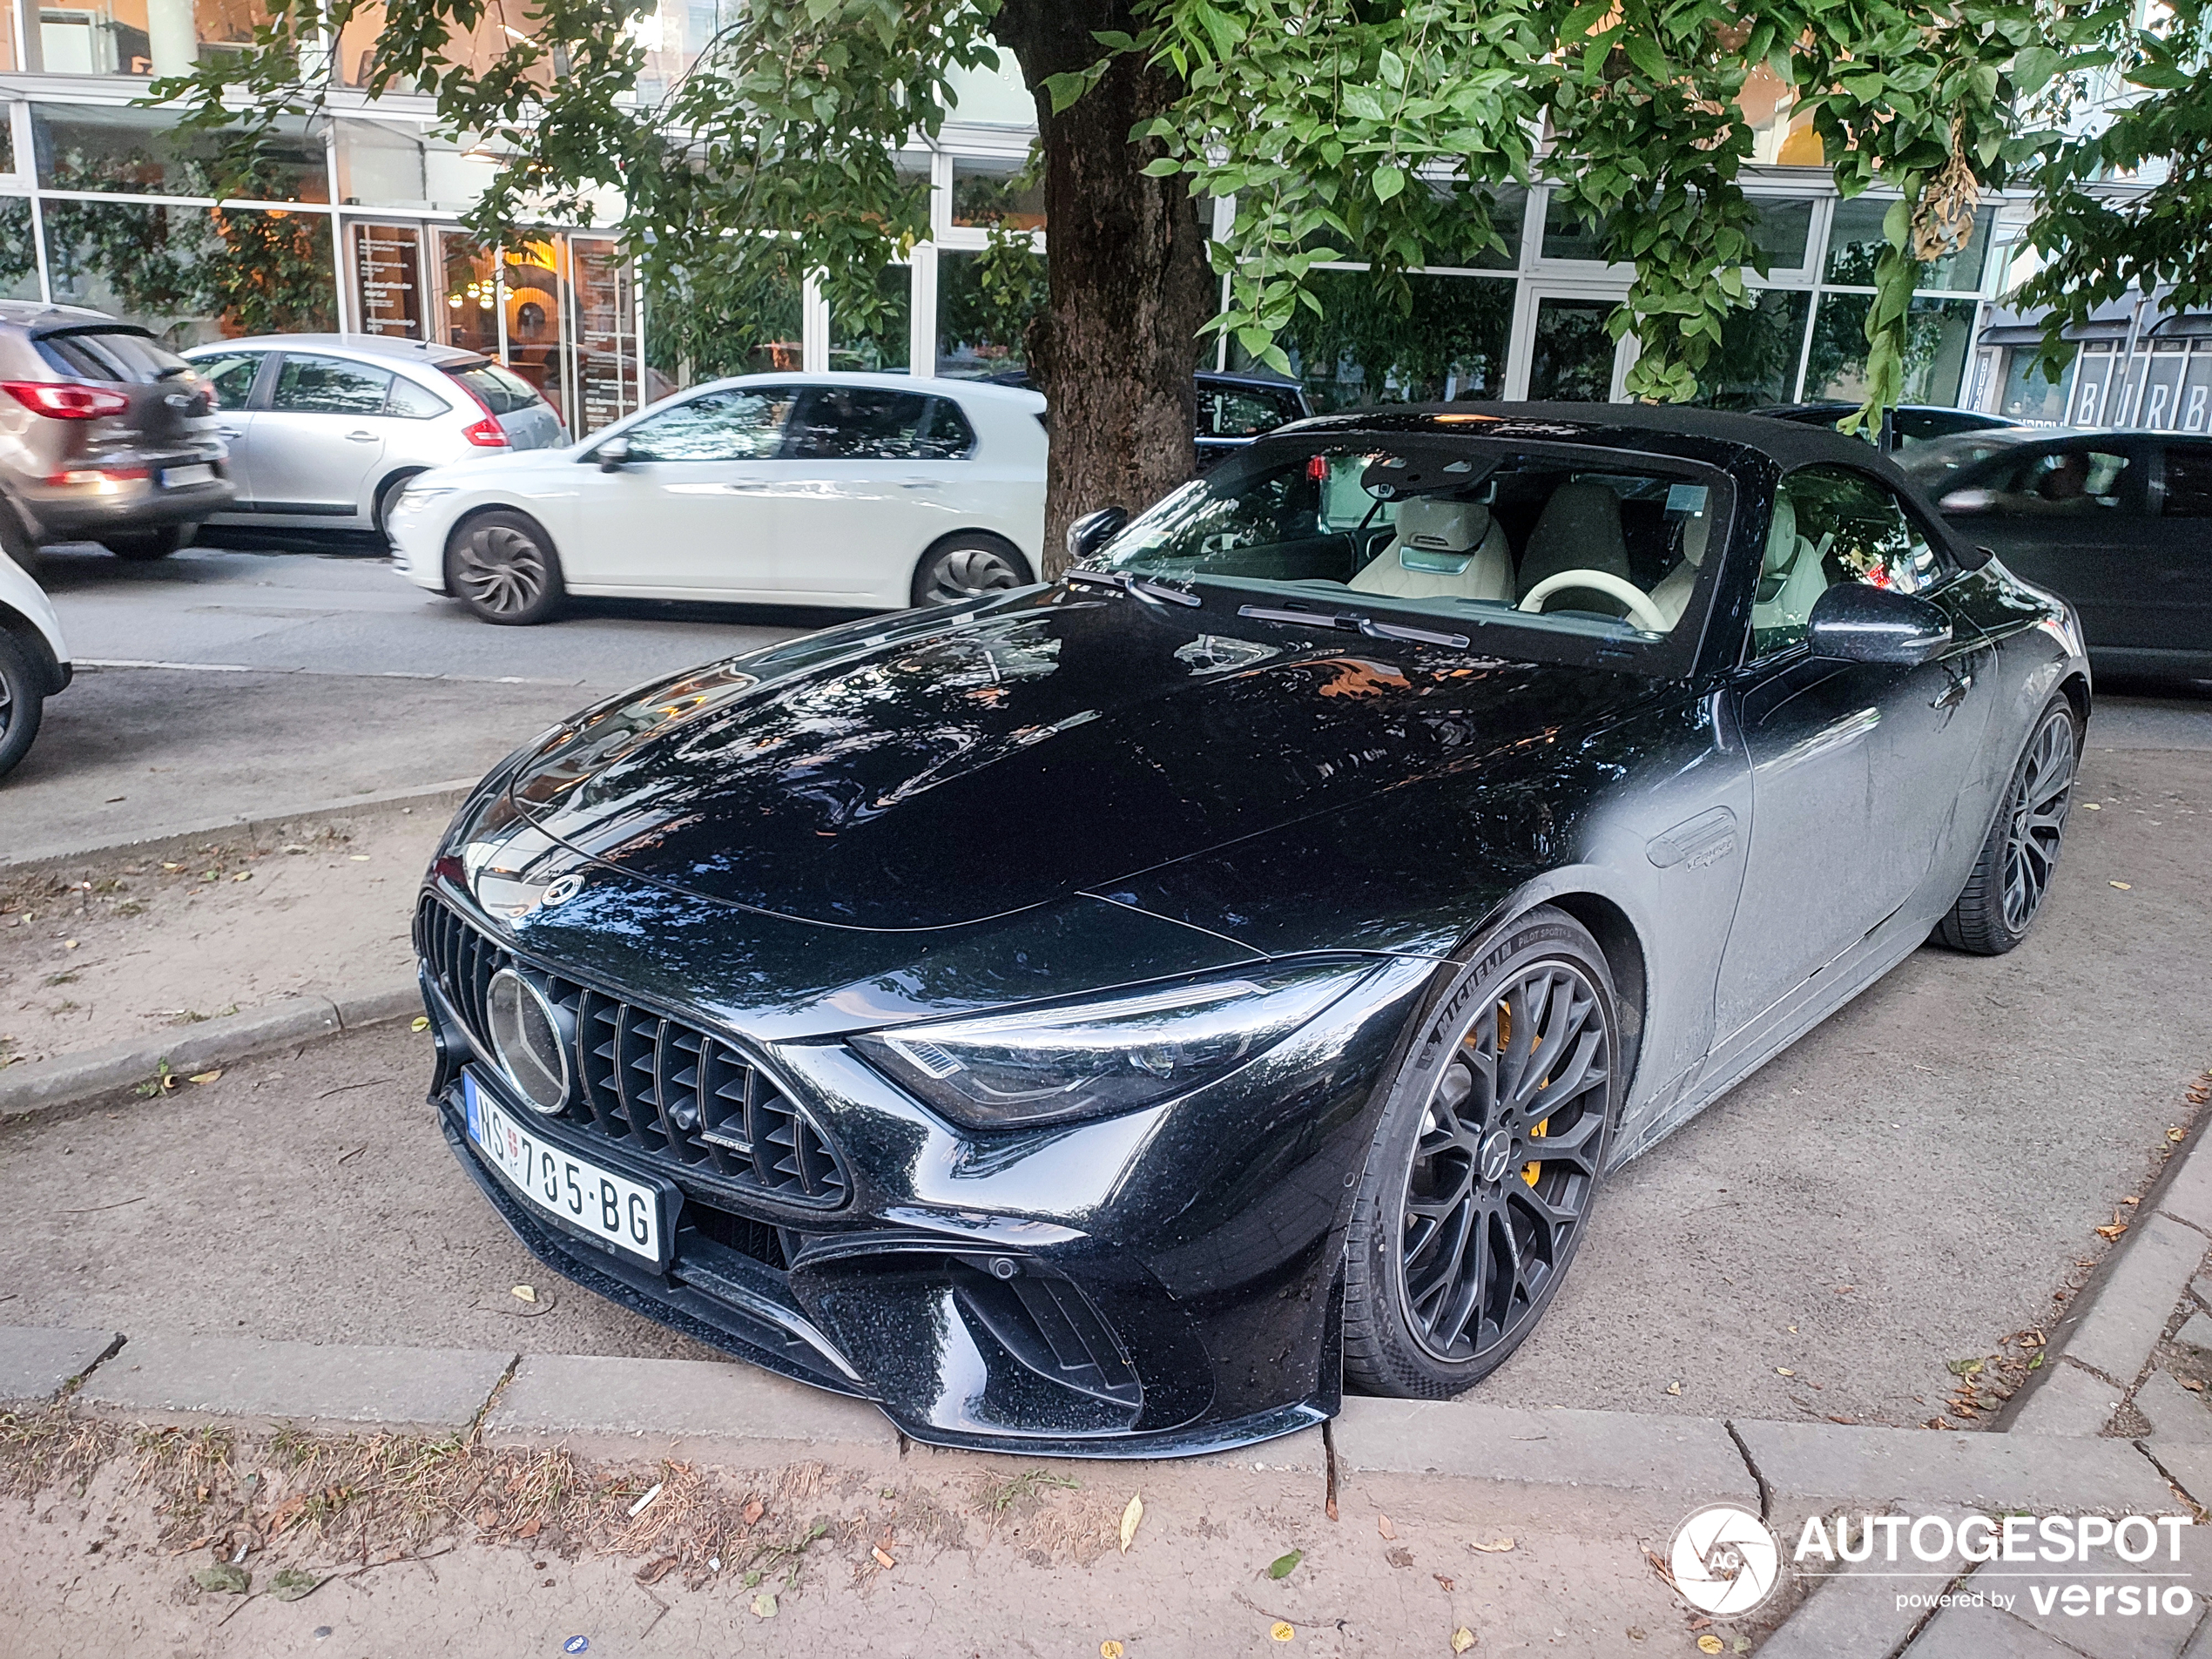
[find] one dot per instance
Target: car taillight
(486, 434)
(65, 400)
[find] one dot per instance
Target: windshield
(1606, 545)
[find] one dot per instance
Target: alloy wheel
(966, 571)
(500, 570)
(7, 704)
(1506, 1164)
(2032, 841)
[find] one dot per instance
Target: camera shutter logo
(1725, 1560)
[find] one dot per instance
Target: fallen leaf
(2091, 807)
(225, 1577)
(1708, 1643)
(764, 1606)
(206, 1077)
(525, 1293)
(1443, 1581)
(2113, 1231)
(1281, 1630)
(1130, 1516)
(290, 1584)
(1283, 1566)
(1673, 1388)
(884, 1561)
(363, 858)
(2177, 1135)
(754, 1510)
(1784, 1371)
(1110, 1650)
(1462, 1638)
(1495, 1546)
(1398, 1556)
(1962, 1367)
(243, 875)
(653, 1572)
(2193, 1387)
(68, 944)
(530, 1528)
(2131, 1201)
(2123, 887)
(422, 1022)
(1383, 1525)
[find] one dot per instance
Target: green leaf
(1896, 223)
(1644, 53)
(1064, 89)
(1283, 1566)
(1388, 182)
(2033, 68)
(1393, 67)
(1161, 167)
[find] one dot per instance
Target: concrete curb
(425, 798)
(38, 1087)
(176, 1379)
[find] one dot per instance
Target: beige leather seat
(1444, 549)
(1671, 595)
(1793, 575)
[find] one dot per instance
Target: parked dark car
(2117, 523)
(1901, 428)
(1104, 1020)
(1233, 409)
(105, 435)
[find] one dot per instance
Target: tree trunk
(1131, 287)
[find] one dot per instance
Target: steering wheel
(1645, 614)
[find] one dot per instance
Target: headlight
(414, 497)
(1116, 1053)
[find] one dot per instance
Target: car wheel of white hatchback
(965, 566)
(501, 566)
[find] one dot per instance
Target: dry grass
(48, 1447)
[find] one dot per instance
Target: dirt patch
(120, 946)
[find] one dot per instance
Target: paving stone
(2190, 1463)
(2068, 1400)
(297, 1381)
(1694, 1456)
(636, 1405)
(2174, 1413)
(37, 1362)
(2196, 1331)
(1854, 1611)
(2189, 1194)
(1983, 1633)
(2113, 1635)
(2130, 1311)
(1827, 1462)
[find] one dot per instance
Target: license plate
(603, 1204)
(175, 477)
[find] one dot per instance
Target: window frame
(266, 394)
(645, 418)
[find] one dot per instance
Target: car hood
(949, 766)
(490, 467)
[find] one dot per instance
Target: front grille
(646, 1081)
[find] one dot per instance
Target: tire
(1451, 1174)
(502, 565)
(960, 567)
(23, 698)
(387, 493)
(143, 547)
(2012, 873)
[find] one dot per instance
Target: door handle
(226, 432)
(1955, 693)
(362, 437)
(919, 483)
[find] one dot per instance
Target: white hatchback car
(34, 662)
(324, 429)
(872, 491)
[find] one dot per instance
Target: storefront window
(144, 37)
(467, 306)
(142, 152)
(883, 341)
(193, 274)
(1571, 355)
(1856, 241)
(18, 253)
(385, 164)
(1935, 353)
(985, 303)
(1756, 364)
(386, 263)
(603, 307)
(2029, 397)
(1567, 235)
(743, 318)
(995, 192)
(1784, 227)
(1362, 350)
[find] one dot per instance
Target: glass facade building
(353, 224)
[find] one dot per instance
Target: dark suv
(105, 435)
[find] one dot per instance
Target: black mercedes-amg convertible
(1110, 1017)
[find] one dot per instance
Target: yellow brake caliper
(1531, 1171)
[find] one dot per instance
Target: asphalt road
(219, 684)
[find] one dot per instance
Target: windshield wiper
(1143, 586)
(1367, 626)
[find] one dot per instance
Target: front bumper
(1162, 1283)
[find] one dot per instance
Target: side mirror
(1092, 531)
(1853, 622)
(1968, 501)
(613, 454)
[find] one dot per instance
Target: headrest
(1780, 535)
(1697, 531)
(1437, 526)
